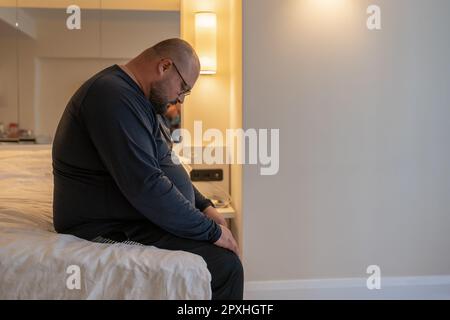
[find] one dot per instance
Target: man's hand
(213, 214)
(227, 241)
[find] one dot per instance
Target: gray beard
(159, 107)
(158, 101)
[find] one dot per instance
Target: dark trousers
(227, 274)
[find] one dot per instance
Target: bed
(37, 263)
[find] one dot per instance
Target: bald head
(180, 51)
(167, 71)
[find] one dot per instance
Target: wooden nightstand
(227, 212)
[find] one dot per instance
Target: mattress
(37, 263)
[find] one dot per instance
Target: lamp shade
(206, 41)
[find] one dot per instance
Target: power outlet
(207, 175)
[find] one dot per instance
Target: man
(173, 115)
(113, 173)
(171, 122)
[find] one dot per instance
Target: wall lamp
(206, 41)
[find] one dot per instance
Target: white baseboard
(421, 287)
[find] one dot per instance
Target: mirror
(56, 48)
(9, 110)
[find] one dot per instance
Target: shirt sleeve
(120, 132)
(201, 202)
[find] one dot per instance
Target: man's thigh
(150, 234)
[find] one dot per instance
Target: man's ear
(164, 65)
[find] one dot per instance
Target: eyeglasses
(185, 91)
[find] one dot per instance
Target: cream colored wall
(364, 124)
(217, 99)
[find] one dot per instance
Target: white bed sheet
(34, 260)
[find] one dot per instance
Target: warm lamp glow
(329, 4)
(206, 41)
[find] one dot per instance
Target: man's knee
(232, 266)
(236, 265)
(227, 276)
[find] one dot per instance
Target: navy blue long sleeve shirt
(111, 165)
